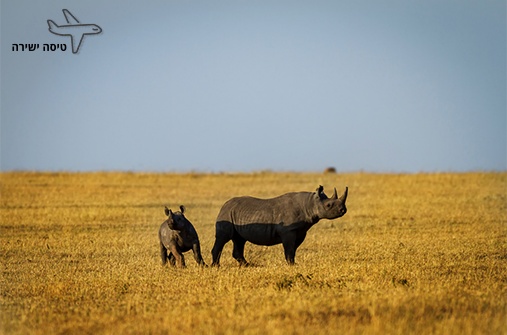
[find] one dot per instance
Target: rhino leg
(178, 256)
(289, 247)
(182, 264)
(290, 243)
(172, 260)
(224, 233)
(196, 248)
(290, 255)
(216, 252)
(180, 260)
(238, 250)
(163, 253)
(300, 239)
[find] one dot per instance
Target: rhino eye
(328, 205)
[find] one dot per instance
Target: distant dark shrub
(330, 169)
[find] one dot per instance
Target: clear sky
(382, 86)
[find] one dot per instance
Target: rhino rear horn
(344, 196)
(335, 195)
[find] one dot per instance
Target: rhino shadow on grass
(177, 235)
(285, 219)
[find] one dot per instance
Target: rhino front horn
(344, 196)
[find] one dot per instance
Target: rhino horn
(335, 195)
(344, 196)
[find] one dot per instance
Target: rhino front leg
(178, 257)
(172, 260)
(300, 238)
(238, 251)
(163, 253)
(289, 248)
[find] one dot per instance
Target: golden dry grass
(415, 254)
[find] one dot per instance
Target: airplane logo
(74, 29)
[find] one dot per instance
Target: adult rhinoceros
(284, 219)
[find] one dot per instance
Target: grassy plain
(415, 254)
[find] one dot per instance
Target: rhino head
(176, 220)
(331, 208)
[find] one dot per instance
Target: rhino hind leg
(216, 252)
(196, 248)
(238, 251)
(224, 233)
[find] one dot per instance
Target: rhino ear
(182, 209)
(320, 193)
(167, 211)
(320, 189)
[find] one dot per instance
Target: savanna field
(415, 254)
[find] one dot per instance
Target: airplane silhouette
(74, 29)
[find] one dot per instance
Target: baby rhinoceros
(177, 235)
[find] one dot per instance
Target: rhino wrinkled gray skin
(284, 219)
(177, 235)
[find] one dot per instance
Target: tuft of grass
(415, 253)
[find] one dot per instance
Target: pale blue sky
(384, 86)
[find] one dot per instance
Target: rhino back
(285, 210)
